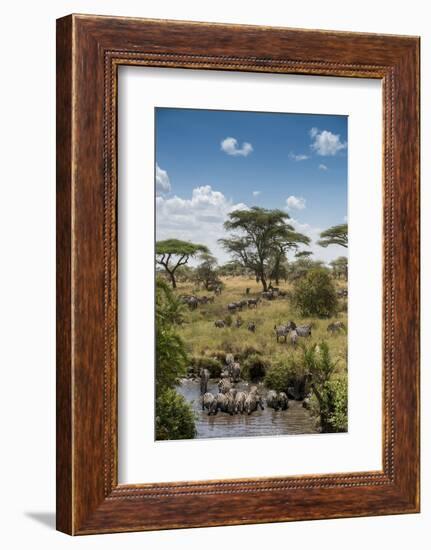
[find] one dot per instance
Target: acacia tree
(258, 235)
(337, 234)
(172, 253)
(206, 271)
(288, 240)
(303, 254)
(339, 267)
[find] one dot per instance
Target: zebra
(240, 398)
(205, 376)
(236, 371)
(209, 402)
(303, 330)
(224, 385)
(281, 331)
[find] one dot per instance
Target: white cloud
(298, 158)
(163, 185)
(256, 193)
(198, 219)
(296, 203)
(231, 147)
(325, 255)
(326, 143)
(323, 167)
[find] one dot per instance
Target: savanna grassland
(203, 339)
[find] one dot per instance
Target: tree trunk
(173, 281)
(263, 281)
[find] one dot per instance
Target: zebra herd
(289, 332)
(232, 401)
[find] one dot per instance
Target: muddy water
(295, 420)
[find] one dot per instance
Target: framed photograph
(237, 274)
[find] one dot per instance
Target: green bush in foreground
(314, 294)
(175, 418)
(330, 391)
(278, 376)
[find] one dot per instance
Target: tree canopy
(173, 253)
(337, 234)
(303, 254)
(260, 239)
(206, 271)
(340, 267)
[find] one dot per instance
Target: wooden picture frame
(89, 51)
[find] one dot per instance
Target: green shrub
(337, 419)
(254, 367)
(175, 418)
(171, 355)
(213, 364)
(249, 350)
(278, 376)
(314, 294)
(330, 392)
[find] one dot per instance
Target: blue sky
(210, 162)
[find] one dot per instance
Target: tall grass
(202, 338)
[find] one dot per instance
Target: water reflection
(296, 420)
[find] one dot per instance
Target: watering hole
(295, 420)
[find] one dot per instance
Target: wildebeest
(303, 330)
(219, 323)
(238, 322)
(336, 327)
(242, 303)
(252, 302)
(209, 402)
(251, 326)
(268, 295)
(281, 331)
(232, 306)
(192, 302)
(217, 290)
(205, 376)
(252, 401)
